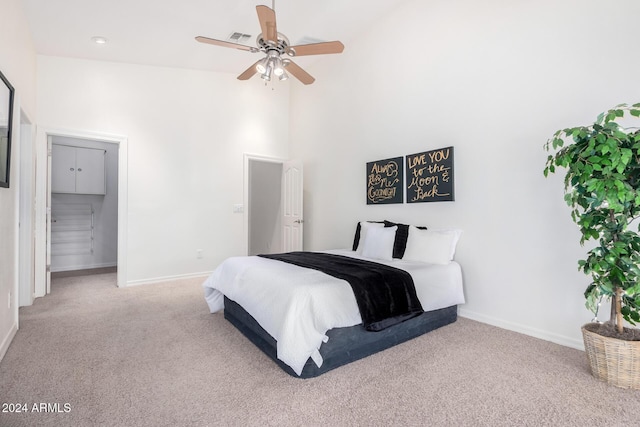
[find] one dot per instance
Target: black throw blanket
(385, 295)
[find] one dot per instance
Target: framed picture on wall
(385, 181)
(6, 118)
(430, 176)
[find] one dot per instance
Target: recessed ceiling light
(98, 40)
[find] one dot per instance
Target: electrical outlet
(199, 253)
(239, 208)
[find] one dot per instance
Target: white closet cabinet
(77, 170)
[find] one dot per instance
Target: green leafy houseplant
(602, 188)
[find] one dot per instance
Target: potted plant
(602, 188)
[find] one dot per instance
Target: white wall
(494, 79)
(105, 233)
(18, 64)
(187, 132)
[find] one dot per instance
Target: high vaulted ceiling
(161, 32)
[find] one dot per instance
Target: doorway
(273, 200)
(43, 208)
(84, 212)
(264, 209)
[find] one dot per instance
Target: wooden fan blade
(225, 44)
(316, 48)
(249, 72)
(267, 18)
(299, 73)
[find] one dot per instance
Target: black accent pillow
(400, 242)
(356, 239)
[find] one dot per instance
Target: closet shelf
(73, 251)
(72, 229)
(64, 228)
(63, 240)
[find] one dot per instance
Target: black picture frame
(430, 176)
(385, 181)
(6, 121)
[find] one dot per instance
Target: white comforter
(297, 306)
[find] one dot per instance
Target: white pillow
(432, 246)
(379, 243)
(364, 229)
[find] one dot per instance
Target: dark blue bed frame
(345, 345)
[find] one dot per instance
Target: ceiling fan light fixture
(261, 66)
(284, 76)
(266, 75)
(278, 68)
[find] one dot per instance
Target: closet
(83, 204)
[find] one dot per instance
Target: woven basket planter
(614, 361)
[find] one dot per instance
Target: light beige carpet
(154, 356)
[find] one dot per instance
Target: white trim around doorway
(42, 135)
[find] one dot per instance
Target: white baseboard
(150, 281)
(523, 329)
(6, 342)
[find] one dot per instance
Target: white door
(27, 215)
(292, 206)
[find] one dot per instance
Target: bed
(310, 322)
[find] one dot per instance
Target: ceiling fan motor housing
(268, 45)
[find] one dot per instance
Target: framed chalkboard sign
(430, 176)
(385, 181)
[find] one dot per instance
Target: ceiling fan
(274, 44)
